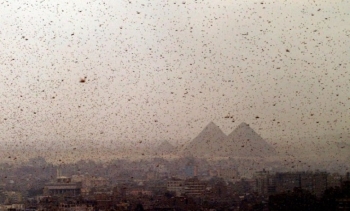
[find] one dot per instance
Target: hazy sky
(162, 70)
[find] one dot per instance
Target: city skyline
(134, 105)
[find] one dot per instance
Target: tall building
(315, 182)
(286, 181)
(2, 193)
(191, 169)
(264, 183)
(334, 180)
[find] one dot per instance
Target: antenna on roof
(58, 172)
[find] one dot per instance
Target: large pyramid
(245, 142)
(242, 142)
(207, 143)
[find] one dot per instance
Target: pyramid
(242, 142)
(207, 142)
(245, 142)
(165, 148)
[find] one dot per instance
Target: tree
(330, 196)
(298, 199)
(139, 207)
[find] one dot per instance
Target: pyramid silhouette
(241, 142)
(207, 142)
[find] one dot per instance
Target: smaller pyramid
(165, 148)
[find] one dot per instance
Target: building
(347, 176)
(244, 186)
(334, 180)
(88, 182)
(175, 185)
(12, 197)
(228, 174)
(315, 182)
(194, 187)
(265, 183)
(343, 204)
(15, 207)
(63, 186)
(138, 192)
(286, 181)
(191, 169)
